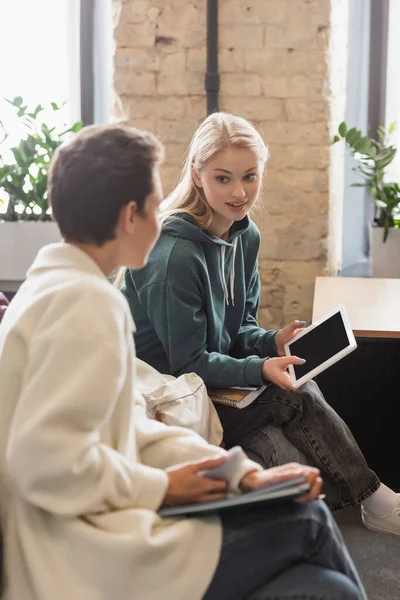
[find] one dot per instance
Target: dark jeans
(283, 426)
(290, 552)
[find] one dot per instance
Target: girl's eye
(251, 177)
(222, 178)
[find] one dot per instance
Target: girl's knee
(310, 388)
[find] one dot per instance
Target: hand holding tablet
(322, 344)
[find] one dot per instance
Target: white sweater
(81, 466)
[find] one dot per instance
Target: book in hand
(239, 397)
(278, 493)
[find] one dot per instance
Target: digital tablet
(285, 491)
(322, 344)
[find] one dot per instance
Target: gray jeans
(290, 552)
(283, 426)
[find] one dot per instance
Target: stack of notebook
(239, 397)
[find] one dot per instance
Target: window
(39, 46)
(393, 84)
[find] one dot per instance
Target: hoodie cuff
(270, 343)
(253, 371)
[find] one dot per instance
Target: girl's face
(231, 182)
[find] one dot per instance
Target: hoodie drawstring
(223, 274)
(232, 276)
(233, 272)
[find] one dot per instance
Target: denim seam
(260, 434)
(344, 505)
(337, 477)
(257, 433)
(320, 454)
(306, 432)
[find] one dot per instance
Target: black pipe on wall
(212, 75)
(379, 35)
(86, 61)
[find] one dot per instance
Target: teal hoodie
(195, 304)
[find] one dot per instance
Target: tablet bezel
(333, 359)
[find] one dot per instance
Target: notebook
(239, 397)
(278, 493)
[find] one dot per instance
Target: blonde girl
(195, 306)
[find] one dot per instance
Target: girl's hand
(260, 479)
(187, 485)
(275, 370)
(286, 334)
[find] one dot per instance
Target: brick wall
(283, 66)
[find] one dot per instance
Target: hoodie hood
(184, 226)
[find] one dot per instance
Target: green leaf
(17, 101)
(381, 133)
(74, 129)
(342, 129)
(337, 138)
(392, 127)
(365, 171)
(372, 152)
(18, 157)
(352, 136)
(381, 163)
(38, 109)
(25, 180)
(385, 153)
(363, 146)
(22, 111)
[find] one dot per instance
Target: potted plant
(25, 219)
(373, 157)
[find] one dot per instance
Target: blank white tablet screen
(320, 344)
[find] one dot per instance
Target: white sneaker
(388, 524)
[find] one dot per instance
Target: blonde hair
(118, 277)
(218, 131)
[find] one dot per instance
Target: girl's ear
(195, 176)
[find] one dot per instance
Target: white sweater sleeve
(55, 456)
(163, 447)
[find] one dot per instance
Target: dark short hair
(92, 177)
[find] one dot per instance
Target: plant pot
(20, 242)
(385, 256)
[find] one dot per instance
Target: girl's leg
(315, 430)
(269, 447)
(260, 545)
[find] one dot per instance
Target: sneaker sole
(379, 529)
